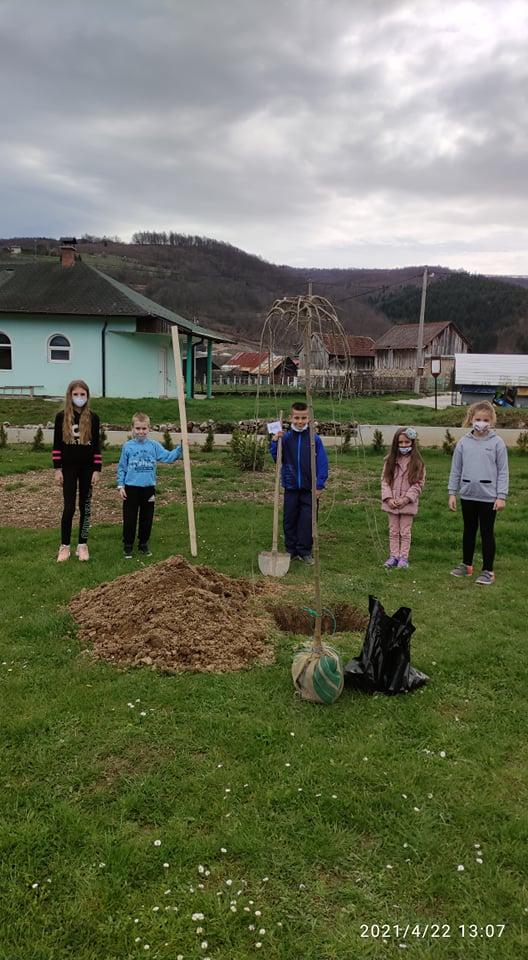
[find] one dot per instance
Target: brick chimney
(68, 251)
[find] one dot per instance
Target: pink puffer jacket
(401, 487)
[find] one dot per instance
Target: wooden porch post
(189, 369)
(209, 369)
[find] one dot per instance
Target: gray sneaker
(307, 558)
(485, 578)
(462, 570)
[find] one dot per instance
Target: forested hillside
(492, 313)
(231, 290)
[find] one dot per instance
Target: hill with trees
(492, 313)
(231, 290)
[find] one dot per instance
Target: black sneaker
(144, 549)
(128, 551)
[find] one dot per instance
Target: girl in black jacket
(77, 461)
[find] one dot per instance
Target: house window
(5, 353)
(59, 349)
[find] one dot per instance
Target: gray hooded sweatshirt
(479, 470)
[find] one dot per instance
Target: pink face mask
(480, 425)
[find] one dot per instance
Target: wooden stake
(184, 439)
(318, 643)
(276, 494)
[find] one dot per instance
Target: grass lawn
(222, 409)
(133, 800)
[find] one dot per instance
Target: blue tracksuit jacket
(137, 463)
(296, 473)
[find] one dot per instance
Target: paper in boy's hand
(275, 427)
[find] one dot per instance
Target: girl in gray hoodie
(479, 473)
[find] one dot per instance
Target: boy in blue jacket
(136, 482)
(296, 476)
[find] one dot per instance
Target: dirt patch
(33, 499)
(173, 616)
(293, 619)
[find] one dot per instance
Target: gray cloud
(332, 133)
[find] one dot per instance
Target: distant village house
(249, 367)
(335, 354)
(498, 377)
(396, 350)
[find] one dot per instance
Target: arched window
(6, 360)
(59, 349)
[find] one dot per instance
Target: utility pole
(419, 346)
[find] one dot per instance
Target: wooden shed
(396, 350)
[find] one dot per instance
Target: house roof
(491, 369)
(404, 336)
(246, 360)
(276, 361)
(82, 290)
(254, 362)
(349, 345)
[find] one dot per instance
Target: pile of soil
(173, 616)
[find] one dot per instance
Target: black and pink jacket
(76, 454)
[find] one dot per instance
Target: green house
(62, 320)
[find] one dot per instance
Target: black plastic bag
(384, 663)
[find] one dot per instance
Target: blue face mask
(404, 449)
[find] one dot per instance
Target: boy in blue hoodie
(296, 476)
(136, 482)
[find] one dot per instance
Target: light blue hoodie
(479, 470)
(137, 463)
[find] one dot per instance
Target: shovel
(275, 564)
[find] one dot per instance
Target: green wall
(134, 362)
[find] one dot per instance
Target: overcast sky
(342, 133)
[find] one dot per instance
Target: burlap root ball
(317, 674)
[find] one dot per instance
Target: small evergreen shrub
(167, 440)
(209, 440)
(246, 452)
(347, 436)
(377, 442)
(38, 441)
(449, 443)
(3, 435)
(522, 441)
(103, 439)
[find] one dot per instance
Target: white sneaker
(82, 551)
(64, 553)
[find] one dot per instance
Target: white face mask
(80, 401)
(480, 425)
(405, 449)
(300, 429)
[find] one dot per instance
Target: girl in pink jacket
(402, 482)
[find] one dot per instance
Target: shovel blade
(273, 564)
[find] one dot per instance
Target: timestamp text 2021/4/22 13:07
(434, 931)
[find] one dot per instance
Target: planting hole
(293, 619)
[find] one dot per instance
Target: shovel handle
(275, 538)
